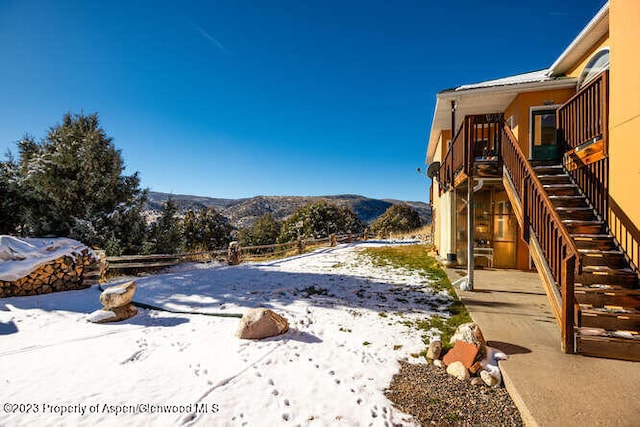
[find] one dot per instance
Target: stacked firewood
(65, 273)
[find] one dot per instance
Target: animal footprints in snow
(141, 354)
(197, 370)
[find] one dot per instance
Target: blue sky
(238, 98)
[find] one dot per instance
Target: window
(597, 64)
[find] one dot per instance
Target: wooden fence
(141, 263)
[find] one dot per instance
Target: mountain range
(243, 212)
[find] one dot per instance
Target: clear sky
(237, 98)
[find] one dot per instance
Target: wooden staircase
(607, 294)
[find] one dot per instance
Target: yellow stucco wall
(445, 137)
(579, 66)
(519, 109)
(436, 204)
(624, 107)
(441, 204)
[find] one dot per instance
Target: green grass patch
(412, 257)
(415, 257)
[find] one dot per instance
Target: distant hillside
(244, 212)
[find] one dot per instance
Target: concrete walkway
(549, 387)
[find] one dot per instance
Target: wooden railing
(453, 161)
(583, 126)
(540, 216)
(625, 232)
(479, 137)
(584, 117)
(484, 139)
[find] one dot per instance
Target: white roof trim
(592, 32)
(489, 91)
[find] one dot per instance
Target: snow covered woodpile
(38, 266)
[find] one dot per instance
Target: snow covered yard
(349, 325)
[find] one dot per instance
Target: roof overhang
(590, 34)
(483, 98)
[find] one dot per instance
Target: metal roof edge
(560, 66)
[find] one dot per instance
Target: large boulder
(471, 333)
(118, 296)
(258, 323)
(116, 314)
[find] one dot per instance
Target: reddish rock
(462, 352)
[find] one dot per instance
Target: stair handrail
(564, 264)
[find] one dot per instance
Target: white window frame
(586, 75)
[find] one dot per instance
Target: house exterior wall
(443, 205)
(446, 224)
(624, 107)
(576, 70)
(519, 109)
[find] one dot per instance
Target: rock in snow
(116, 301)
(258, 323)
(118, 295)
(115, 314)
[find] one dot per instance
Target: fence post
(233, 257)
(301, 246)
(333, 241)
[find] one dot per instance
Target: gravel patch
(435, 398)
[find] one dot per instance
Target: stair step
(598, 274)
(610, 347)
(568, 201)
(561, 189)
(549, 170)
(610, 320)
(544, 163)
(577, 226)
(597, 296)
(584, 213)
(594, 241)
(555, 179)
(610, 258)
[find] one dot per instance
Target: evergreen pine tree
(166, 233)
(319, 219)
(206, 230)
(72, 184)
(397, 218)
